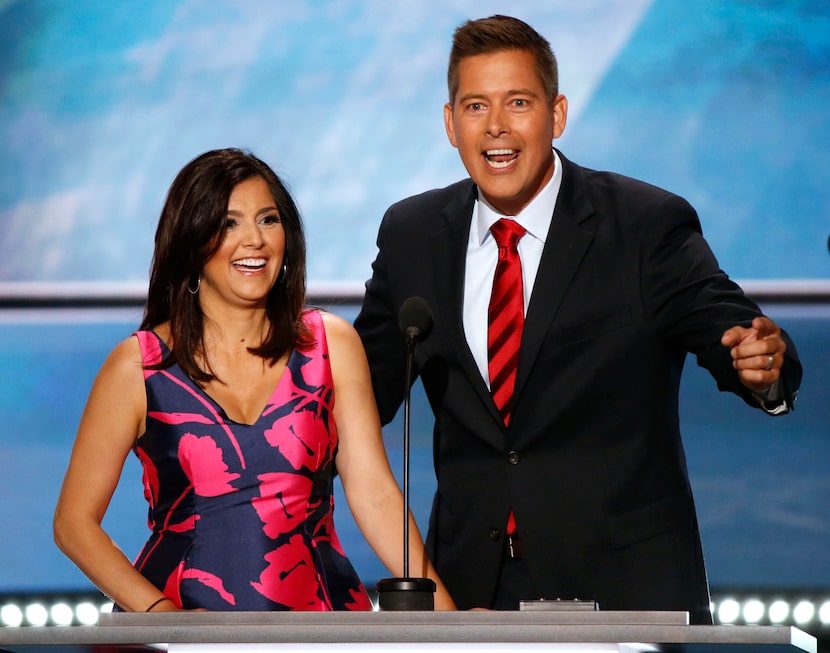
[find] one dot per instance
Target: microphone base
(396, 594)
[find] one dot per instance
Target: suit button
(513, 457)
(495, 534)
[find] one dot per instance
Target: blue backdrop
(102, 103)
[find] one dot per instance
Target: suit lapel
(567, 241)
(449, 248)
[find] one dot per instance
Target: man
(560, 468)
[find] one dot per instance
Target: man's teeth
(489, 154)
(250, 263)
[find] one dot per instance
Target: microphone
(415, 322)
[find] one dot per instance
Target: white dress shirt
(483, 254)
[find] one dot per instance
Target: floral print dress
(242, 515)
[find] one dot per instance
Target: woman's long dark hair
(190, 231)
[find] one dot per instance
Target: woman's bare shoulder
(339, 331)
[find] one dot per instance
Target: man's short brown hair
(499, 33)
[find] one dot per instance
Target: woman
(240, 404)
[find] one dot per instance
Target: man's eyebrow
(483, 96)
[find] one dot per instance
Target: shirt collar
(535, 217)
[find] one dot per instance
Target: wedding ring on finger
(770, 360)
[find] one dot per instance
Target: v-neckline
(224, 413)
(220, 409)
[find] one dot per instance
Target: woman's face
(249, 260)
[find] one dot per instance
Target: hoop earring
(283, 272)
(198, 285)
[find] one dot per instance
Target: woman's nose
(252, 236)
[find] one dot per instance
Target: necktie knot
(507, 233)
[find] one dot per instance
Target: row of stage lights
(810, 614)
(59, 612)
(804, 613)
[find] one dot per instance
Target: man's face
(503, 127)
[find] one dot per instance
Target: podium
(376, 632)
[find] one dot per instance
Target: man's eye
(476, 106)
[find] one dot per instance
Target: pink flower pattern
(241, 516)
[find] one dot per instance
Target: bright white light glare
(11, 615)
(61, 614)
(824, 613)
(86, 613)
(753, 611)
(779, 611)
(804, 612)
(36, 614)
(728, 611)
(105, 608)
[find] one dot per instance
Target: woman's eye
(271, 218)
(230, 223)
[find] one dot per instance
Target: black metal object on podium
(407, 593)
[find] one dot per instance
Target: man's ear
(560, 115)
(448, 124)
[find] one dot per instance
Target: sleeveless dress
(242, 515)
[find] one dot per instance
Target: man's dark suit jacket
(592, 463)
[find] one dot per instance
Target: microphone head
(415, 318)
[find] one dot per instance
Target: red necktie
(504, 336)
(505, 316)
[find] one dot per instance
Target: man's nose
(498, 122)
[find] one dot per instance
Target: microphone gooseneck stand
(409, 593)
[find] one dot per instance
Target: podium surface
(261, 632)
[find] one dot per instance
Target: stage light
(36, 614)
(779, 611)
(86, 613)
(61, 614)
(753, 611)
(11, 615)
(728, 611)
(804, 612)
(824, 613)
